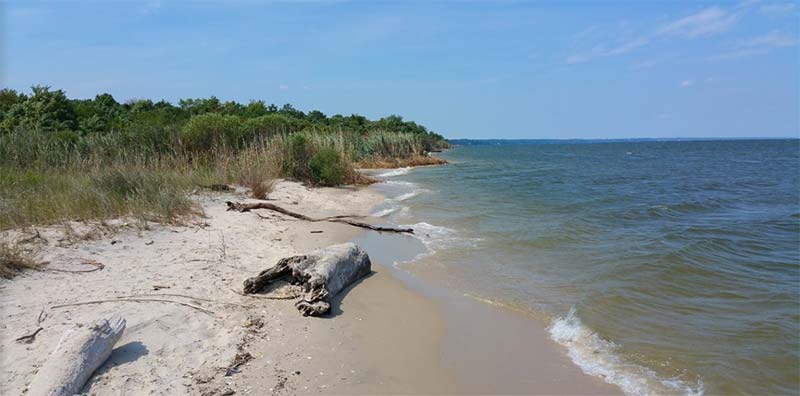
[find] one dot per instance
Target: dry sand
(384, 336)
(376, 328)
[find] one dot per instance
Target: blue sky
(503, 69)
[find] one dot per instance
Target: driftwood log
(78, 354)
(322, 274)
(246, 207)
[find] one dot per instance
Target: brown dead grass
(13, 260)
(382, 163)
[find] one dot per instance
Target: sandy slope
(381, 336)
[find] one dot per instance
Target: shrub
(269, 125)
(205, 132)
(327, 167)
(295, 157)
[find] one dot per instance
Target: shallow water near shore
(661, 267)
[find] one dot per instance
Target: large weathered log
(78, 354)
(246, 207)
(322, 273)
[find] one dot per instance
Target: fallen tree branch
(246, 207)
(203, 310)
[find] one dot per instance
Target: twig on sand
(246, 207)
(97, 267)
(184, 296)
(265, 297)
(30, 337)
(32, 238)
(203, 310)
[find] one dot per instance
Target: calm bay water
(664, 267)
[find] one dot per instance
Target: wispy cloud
(758, 45)
(16, 13)
(706, 22)
(152, 7)
(602, 51)
(773, 39)
(778, 9)
(686, 83)
(645, 64)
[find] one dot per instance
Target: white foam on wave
(394, 172)
(597, 357)
(408, 195)
(400, 183)
(386, 211)
(437, 237)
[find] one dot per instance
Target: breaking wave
(597, 357)
(394, 172)
(386, 211)
(437, 237)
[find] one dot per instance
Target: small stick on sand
(30, 337)
(184, 296)
(97, 267)
(203, 310)
(265, 297)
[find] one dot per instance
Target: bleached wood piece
(323, 273)
(80, 352)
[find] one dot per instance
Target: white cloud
(152, 7)
(628, 47)
(740, 53)
(758, 45)
(687, 83)
(645, 64)
(778, 9)
(601, 51)
(706, 22)
(283, 87)
(773, 39)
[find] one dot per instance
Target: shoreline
(489, 348)
(392, 332)
(363, 346)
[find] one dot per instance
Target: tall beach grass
(48, 177)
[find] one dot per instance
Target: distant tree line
(200, 123)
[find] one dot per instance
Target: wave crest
(394, 172)
(597, 357)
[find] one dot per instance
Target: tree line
(201, 122)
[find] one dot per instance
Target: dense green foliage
(327, 168)
(196, 125)
(62, 158)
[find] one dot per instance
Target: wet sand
(487, 349)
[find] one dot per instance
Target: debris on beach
(322, 273)
(80, 352)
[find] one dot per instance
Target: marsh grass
(45, 179)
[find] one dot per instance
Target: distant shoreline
(476, 142)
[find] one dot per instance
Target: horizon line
(638, 138)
